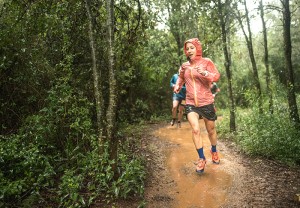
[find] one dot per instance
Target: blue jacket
(182, 92)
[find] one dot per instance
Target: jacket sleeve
(212, 74)
(180, 81)
(173, 81)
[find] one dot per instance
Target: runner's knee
(196, 132)
(211, 131)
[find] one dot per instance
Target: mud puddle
(192, 190)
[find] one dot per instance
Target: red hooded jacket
(198, 92)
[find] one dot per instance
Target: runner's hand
(201, 71)
(176, 89)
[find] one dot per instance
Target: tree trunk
(289, 73)
(97, 91)
(174, 10)
(266, 58)
(248, 39)
(222, 10)
(111, 111)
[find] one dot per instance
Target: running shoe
(173, 122)
(178, 124)
(215, 157)
(200, 165)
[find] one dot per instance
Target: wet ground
(238, 181)
(208, 189)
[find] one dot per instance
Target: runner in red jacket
(198, 74)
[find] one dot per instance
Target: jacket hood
(197, 44)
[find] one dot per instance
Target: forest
(81, 80)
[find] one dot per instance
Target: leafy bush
(57, 150)
(268, 135)
(47, 144)
(24, 169)
(71, 184)
(131, 181)
(94, 177)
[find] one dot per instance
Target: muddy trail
(238, 181)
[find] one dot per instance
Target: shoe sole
(200, 172)
(213, 160)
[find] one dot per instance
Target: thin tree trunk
(248, 39)
(294, 116)
(176, 27)
(266, 58)
(97, 91)
(111, 111)
(226, 43)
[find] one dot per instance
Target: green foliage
(69, 190)
(47, 102)
(45, 145)
(140, 110)
(57, 142)
(131, 181)
(48, 144)
(144, 83)
(90, 177)
(267, 135)
(93, 176)
(24, 168)
(82, 176)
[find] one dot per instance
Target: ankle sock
(173, 121)
(201, 153)
(213, 148)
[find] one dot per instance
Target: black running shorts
(207, 111)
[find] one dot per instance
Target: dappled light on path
(193, 190)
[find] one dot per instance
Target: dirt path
(238, 181)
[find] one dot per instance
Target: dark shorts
(179, 98)
(207, 111)
(180, 102)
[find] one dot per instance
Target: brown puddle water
(193, 190)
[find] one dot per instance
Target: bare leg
(211, 130)
(180, 112)
(194, 122)
(174, 108)
(212, 135)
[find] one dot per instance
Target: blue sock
(213, 148)
(201, 153)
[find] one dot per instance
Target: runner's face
(191, 50)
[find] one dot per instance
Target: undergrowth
(54, 159)
(268, 135)
(31, 177)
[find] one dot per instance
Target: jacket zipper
(194, 83)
